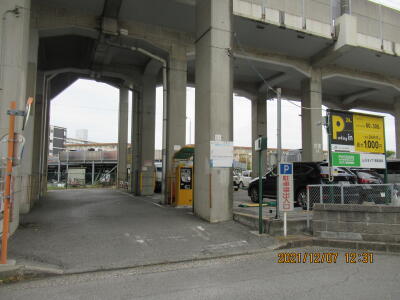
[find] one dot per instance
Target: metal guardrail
(373, 194)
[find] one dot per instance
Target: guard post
(13, 152)
(260, 144)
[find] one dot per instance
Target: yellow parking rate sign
(369, 134)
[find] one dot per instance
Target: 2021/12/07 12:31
(324, 257)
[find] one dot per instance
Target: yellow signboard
(369, 134)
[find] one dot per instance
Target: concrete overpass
(340, 53)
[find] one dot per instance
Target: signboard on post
(357, 140)
(221, 154)
(285, 187)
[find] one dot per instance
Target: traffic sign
(357, 140)
(285, 187)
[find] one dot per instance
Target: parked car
(245, 179)
(305, 173)
(367, 176)
(158, 170)
(236, 180)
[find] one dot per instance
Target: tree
(390, 153)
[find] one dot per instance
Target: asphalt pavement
(95, 229)
(256, 276)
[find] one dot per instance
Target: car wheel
(241, 185)
(301, 198)
(254, 195)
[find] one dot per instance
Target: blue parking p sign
(285, 187)
(286, 169)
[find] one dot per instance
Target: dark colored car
(304, 173)
(367, 176)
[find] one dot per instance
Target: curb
(271, 227)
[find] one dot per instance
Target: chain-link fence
(372, 194)
(65, 179)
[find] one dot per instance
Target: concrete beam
(272, 82)
(349, 99)
(300, 65)
(366, 77)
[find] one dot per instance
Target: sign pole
(260, 194)
(385, 174)
(284, 224)
(7, 191)
(259, 145)
(279, 140)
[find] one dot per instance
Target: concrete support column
(397, 124)
(45, 137)
(176, 108)
(148, 118)
(259, 128)
(122, 136)
(135, 144)
(311, 117)
(214, 107)
(39, 110)
(26, 168)
(14, 45)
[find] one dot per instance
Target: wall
(376, 223)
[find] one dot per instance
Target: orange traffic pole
(7, 189)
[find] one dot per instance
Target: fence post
(320, 194)
(342, 194)
(392, 195)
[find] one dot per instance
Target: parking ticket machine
(184, 184)
(182, 187)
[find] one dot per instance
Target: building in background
(82, 134)
(57, 140)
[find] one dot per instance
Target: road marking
(159, 205)
(201, 233)
(226, 245)
(141, 240)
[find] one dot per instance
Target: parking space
(241, 197)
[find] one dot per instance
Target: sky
(395, 4)
(94, 106)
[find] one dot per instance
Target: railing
(83, 156)
(370, 194)
(376, 20)
(373, 20)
